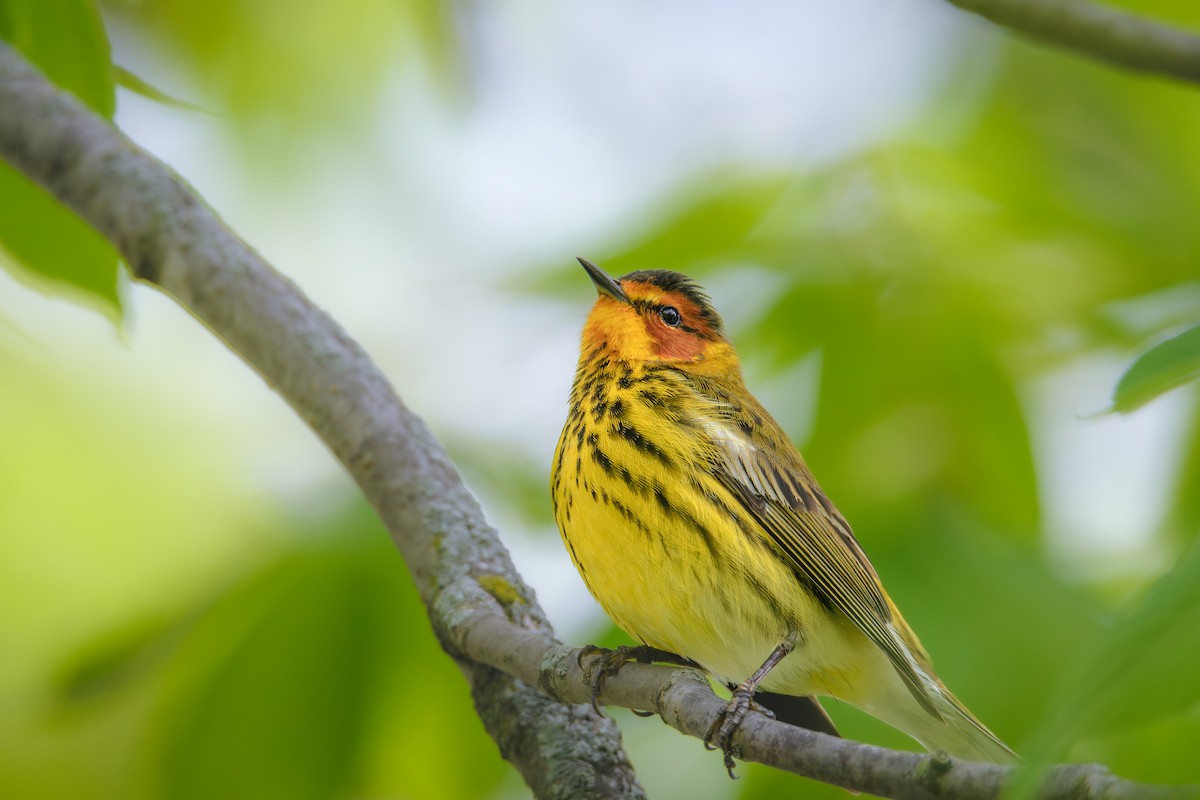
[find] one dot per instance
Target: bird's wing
(777, 489)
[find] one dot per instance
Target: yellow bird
(700, 530)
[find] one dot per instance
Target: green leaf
(139, 85)
(55, 247)
(116, 659)
(1161, 368)
(317, 676)
(281, 715)
(1140, 673)
(66, 40)
(704, 224)
(1145, 668)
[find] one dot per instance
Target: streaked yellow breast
(666, 550)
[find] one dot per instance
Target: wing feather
(806, 527)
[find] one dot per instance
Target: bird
(700, 530)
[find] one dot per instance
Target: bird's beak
(605, 283)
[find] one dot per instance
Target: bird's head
(655, 315)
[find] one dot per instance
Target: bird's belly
(708, 592)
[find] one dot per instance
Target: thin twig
(1098, 31)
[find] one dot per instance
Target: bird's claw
(720, 733)
(609, 663)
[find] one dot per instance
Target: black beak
(605, 283)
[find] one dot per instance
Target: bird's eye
(670, 315)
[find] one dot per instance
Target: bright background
(935, 246)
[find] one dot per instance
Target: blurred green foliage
(1129, 679)
(45, 242)
(309, 674)
(936, 278)
(931, 281)
(286, 74)
(1168, 364)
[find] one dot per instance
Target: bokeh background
(936, 246)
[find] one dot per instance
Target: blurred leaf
(1143, 669)
(519, 482)
(706, 223)
(1140, 672)
(282, 715)
(115, 659)
(285, 74)
(436, 34)
(1163, 751)
(138, 85)
(1163, 367)
(66, 40)
(318, 677)
(1183, 520)
(313, 674)
(55, 246)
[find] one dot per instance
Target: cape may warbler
(701, 531)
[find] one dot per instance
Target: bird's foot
(609, 663)
(720, 734)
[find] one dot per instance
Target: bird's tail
(957, 731)
(937, 719)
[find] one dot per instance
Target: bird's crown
(653, 315)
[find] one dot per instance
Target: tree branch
(171, 239)
(1099, 31)
(482, 612)
(684, 700)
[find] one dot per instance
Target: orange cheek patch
(675, 344)
(692, 317)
